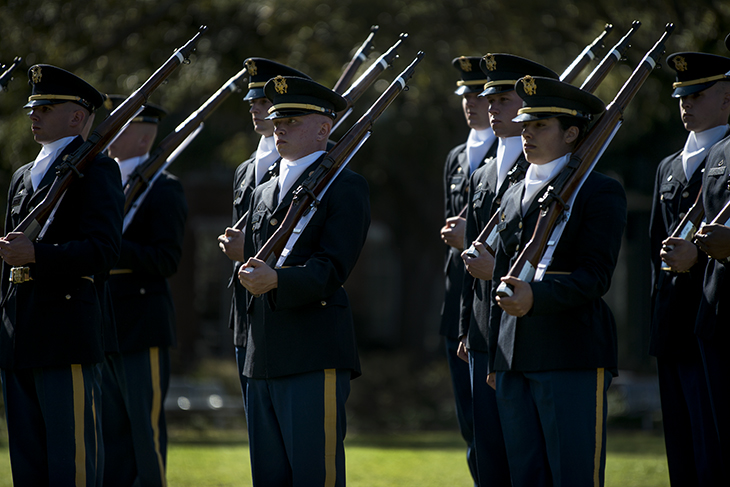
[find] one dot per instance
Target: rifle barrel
(355, 62)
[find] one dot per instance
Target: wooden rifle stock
(157, 161)
(689, 225)
(569, 180)
(585, 57)
(313, 186)
(609, 60)
(8, 73)
(355, 62)
(488, 235)
(77, 161)
(364, 82)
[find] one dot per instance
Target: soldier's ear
(571, 135)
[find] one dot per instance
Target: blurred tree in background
(397, 287)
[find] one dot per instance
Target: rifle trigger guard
(65, 166)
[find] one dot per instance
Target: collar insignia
(680, 63)
(251, 67)
(35, 74)
(465, 64)
(280, 85)
(529, 84)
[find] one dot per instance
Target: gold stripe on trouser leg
(330, 427)
(156, 407)
(77, 378)
(599, 426)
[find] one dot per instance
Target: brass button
(323, 303)
(721, 163)
(274, 222)
(453, 186)
(499, 201)
(458, 169)
(685, 194)
(142, 291)
(662, 197)
(517, 249)
(519, 225)
(681, 215)
(68, 296)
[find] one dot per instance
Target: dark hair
(567, 121)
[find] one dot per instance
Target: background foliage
(116, 44)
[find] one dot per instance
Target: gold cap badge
(680, 63)
(280, 85)
(489, 62)
(35, 74)
(251, 67)
(465, 64)
(529, 84)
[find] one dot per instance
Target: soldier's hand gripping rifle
(585, 57)
(77, 161)
(722, 218)
(364, 82)
(308, 194)
(7, 74)
(568, 182)
(688, 226)
(351, 69)
(171, 146)
(488, 235)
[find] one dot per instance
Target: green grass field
(220, 459)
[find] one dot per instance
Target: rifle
(8, 73)
(317, 183)
(75, 162)
(590, 51)
(171, 146)
(688, 226)
(488, 235)
(367, 79)
(581, 162)
(355, 62)
(609, 61)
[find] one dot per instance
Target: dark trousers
(50, 413)
(461, 384)
(134, 430)
(488, 438)
(240, 361)
(296, 429)
(693, 450)
(717, 372)
(554, 426)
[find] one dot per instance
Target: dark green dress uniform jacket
(244, 182)
(713, 319)
(306, 323)
(477, 293)
(675, 296)
(569, 325)
(456, 187)
(57, 317)
(151, 250)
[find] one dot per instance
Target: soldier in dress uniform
(52, 340)
(135, 380)
(714, 311)
(487, 185)
(552, 343)
(259, 168)
(460, 163)
(678, 270)
(301, 351)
